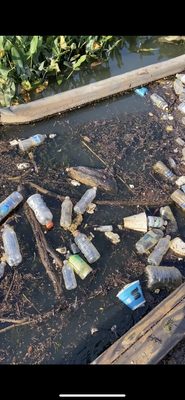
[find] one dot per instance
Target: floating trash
(132, 296)
(136, 222)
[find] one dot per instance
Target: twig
(31, 303)
(42, 249)
(14, 321)
(99, 158)
(10, 288)
(116, 203)
(55, 256)
(31, 157)
(14, 326)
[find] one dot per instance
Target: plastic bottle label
(169, 174)
(4, 208)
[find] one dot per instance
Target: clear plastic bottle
(160, 250)
(163, 277)
(2, 268)
(167, 214)
(85, 200)
(104, 228)
(32, 141)
(9, 204)
(79, 265)
(181, 107)
(159, 101)
(69, 276)
(155, 222)
(42, 212)
(178, 86)
(149, 240)
(66, 213)
(11, 246)
(164, 171)
(181, 77)
(87, 248)
(179, 198)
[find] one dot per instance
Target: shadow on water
(96, 317)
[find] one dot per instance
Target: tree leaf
(33, 45)
(16, 57)
(63, 44)
(79, 62)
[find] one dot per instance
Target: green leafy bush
(27, 62)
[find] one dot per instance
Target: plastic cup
(131, 295)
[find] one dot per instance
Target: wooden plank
(145, 325)
(159, 340)
(70, 99)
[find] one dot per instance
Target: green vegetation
(27, 62)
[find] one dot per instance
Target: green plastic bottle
(79, 265)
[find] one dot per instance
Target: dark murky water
(73, 341)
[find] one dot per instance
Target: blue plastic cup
(132, 295)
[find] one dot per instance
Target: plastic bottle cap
(49, 225)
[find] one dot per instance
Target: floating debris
(23, 166)
(180, 141)
(93, 330)
(178, 246)
(52, 135)
(179, 198)
(61, 250)
(160, 168)
(74, 183)
(155, 222)
(14, 142)
(100, 178)
(91, 208)
(159, 251)
(149, 240)
(167, 214)
(113, 237)
(131, 295)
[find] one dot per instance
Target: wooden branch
(115, 203)
(153, 336)
(42, 249)
(13, 321)
(70, 99)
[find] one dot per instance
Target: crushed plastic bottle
(155, 222)
(160, 250)
(87, 248)
(167, 215)
(163, 277)
(160, 168)
(178, 86)
(179, 198)
(11, 202)
(32, 141)
(141, 91)
(2, 269)
(66, 213)
(159, 101)
(148, 240)
(42, 212)
(69, 276)
(81, 268)
(11, 246)
(85, 200)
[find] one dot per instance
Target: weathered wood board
(78, 97)
(153, 337)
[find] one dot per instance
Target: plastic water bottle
(2, 268)
(85, 200)
(87, 248)
(11, 246)
(69, 276)
(155, 222)
(149, 240)
(32, 141)
(74, 248)
(42, 212)
(159, 101)
(178, 86)
(179, 198)
(66, 213)
(79, 265)
(167, 214)
(9, 204)
(159, 251)
(181, 107)
(160, 168)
